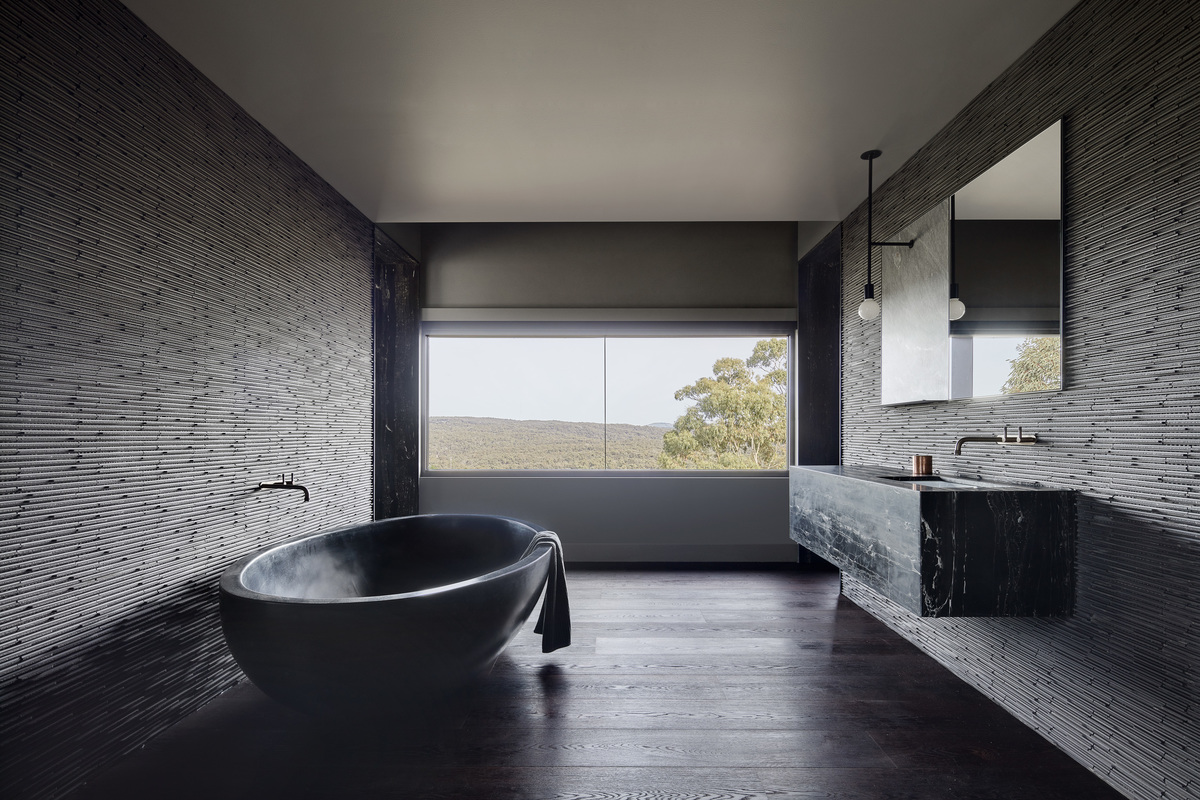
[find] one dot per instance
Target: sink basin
(942, 480)
(941, 545)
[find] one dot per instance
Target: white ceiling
(601, 110)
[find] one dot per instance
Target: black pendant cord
(953, 282)
(869, 157)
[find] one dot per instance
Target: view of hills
(490, 443)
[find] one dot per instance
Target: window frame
(516, 329)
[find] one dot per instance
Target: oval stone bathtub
(384, 615)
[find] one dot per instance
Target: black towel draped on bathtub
(554, 622)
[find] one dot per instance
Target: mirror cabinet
(996, 245)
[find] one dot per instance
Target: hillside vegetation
(490, 443)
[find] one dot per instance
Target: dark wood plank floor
(680, 684)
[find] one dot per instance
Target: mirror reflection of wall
(1008, 265)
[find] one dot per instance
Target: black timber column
(397, 383)
(818, 353)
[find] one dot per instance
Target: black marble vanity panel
(998, 553)
(940, 549)
(867, 529)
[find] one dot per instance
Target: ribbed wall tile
(185, 311)
(1114, 686)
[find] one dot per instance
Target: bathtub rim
(231, 577)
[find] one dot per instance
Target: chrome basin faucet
(1000, 438)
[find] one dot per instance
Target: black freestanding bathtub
(382, 616)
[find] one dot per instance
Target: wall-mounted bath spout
(285, 484)
(1000, 438)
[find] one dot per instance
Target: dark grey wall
(186, 311)
(1114, 686)
(675, 517)
(815, 374)
(609, 265)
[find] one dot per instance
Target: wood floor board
(590, 616)
(716, 650)
(807, 619)
(926, 687)
(708, 580)
(668, 645)
(810, 663)
(553, 746)
(675, 783)
(996, 746)
(748, 627)
(732, 714)
(743, 601)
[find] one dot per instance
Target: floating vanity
(941, 546)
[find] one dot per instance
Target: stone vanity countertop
(904, 481)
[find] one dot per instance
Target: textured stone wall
(1115, 685)
(185, 311)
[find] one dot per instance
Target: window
(606, 402)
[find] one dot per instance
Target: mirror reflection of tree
(1036, 367)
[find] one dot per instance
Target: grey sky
(992, 355)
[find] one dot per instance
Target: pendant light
(957, 308)
(868, 309)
